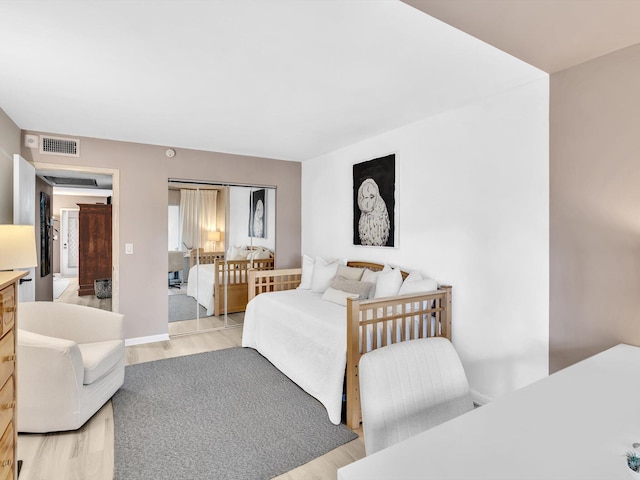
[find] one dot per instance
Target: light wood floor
(87, 454)
(70, 295)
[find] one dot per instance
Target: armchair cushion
(98, 358)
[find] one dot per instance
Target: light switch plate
(128, 248)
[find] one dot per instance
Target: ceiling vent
(71, 182)
(68, 147)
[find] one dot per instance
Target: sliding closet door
(218, 232)
(194, 244)
(250, 236)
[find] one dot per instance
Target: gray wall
(594, 207)
(9, 145)
(44, 285)
(144, 171)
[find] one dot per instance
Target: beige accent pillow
(338, 296)
(361, 289)
(352, 273)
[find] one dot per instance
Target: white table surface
(575, 424)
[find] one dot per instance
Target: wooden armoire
(94, 245)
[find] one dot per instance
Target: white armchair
(70, 363)
(409, 387)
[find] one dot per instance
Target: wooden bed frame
(395, 315)
(236, 271)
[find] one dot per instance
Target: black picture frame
(374, 202)
(46, 239)
(258, 214)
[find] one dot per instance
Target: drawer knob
(12, 309)
(10, 358)
(9, 406)
(6, 463)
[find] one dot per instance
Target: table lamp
(17, 247)
(214, 236)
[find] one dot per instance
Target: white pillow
(307, 272)
(372, 277)
(416, 283)
(237, 252)
(258, 254)
(338, 296)
(323, 273)
(388, 283)
(262, 254)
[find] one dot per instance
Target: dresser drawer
(6, 451)
(7, 404)
(7, 357)
(7, 308)
(9, 474)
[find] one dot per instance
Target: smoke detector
(30, 140)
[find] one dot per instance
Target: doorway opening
(76, 187)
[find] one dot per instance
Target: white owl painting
(374, 202)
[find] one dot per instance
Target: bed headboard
(204, 257)
(211, 257)
(372, 266)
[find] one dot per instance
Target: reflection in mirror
(196, 216)
(250, 237)
(218, 232)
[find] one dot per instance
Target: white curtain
(197, 217)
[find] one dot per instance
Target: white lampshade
(214, 236)
(17, 247)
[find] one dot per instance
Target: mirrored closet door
(216, 233)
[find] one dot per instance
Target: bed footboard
(273, 280)
(373, 324)
(236, 274)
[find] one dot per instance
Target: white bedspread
(305, 338)
(200, 285)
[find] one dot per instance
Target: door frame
(115, 219)
(64, 228)
(25, 205)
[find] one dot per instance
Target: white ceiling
(273, 78)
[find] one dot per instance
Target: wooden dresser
(94, 245)
(8, 431)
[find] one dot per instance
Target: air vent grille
(71, 182)
(68, 147)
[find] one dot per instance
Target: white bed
(315, 334)
(226, 291)
(315, 341)
(200, 286)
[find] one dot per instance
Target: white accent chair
(409, 387)
(70, 363)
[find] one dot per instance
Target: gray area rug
(227, 414)
(183, 307)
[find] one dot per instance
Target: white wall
(473, 199)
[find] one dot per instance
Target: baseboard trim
(152, 339)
